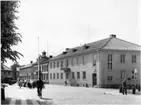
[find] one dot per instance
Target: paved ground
(55, 94)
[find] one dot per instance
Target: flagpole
(38, 59)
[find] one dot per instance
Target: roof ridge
(106, 43)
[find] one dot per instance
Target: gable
(119, 44)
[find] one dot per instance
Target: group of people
(39, 85)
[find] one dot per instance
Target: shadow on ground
(43, 101)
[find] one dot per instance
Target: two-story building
(30, 71)
(102, 63)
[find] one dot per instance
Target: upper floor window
(77, 60)
(133, 58)
(94, 60)
(83, 60)
(109, 57)
(51, 65)
(57, 63)
(122, 58)
(54, 64)
(67, 63)
(110, 61)
(61, 64)
(72, 61)
(84, 75)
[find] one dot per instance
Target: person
(66, 83)
(40, 85)
(19, 83)
(124, 86)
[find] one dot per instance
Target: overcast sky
(61, 24)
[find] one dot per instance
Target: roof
(108, 43)
(6, 68)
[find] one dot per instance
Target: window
(50, 75)
(84, 75)
(61, 75)
(78, 75)
(57, 64)
(67, 63)
(122, 58)
(61, 64)
(132, 74)
(77, 60)
(54, 65)
(51, 65)
(53, 75)
(94, 60)
(133, 58)
(109, 62)
(123, 74)
(109, 57)
(67, 75)
(110, 78)
(83, 60)
(9, 73)
(110, 65)
(73, 75)
(72, 61)
(57, 75)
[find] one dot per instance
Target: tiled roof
(108, 43)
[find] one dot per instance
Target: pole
(38, 60)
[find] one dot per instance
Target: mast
(38, 60)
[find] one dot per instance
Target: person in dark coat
(124, 86)
(40, 85)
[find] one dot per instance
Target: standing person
(124, 86)
(66, 83)
(40, 85)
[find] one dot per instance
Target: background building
(30, 71)
(103, 63)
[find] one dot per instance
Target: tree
(14, 69)
(9, 35)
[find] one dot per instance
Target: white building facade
(102, 63)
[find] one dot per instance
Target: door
(94, 79)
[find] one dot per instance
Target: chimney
(67, 48)
(50, 56)
(43, 53)
(113, 36)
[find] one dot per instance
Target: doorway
(94, 79)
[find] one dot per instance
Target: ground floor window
(67, 75)
(53, 75)
(110, 78)
(61, 75)
(50, 75)
(84, 75)
(73, 75)
(78, 75)
(57, 75)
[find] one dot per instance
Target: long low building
(103, 63)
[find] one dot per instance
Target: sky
(62, 24)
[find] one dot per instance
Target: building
(103, 63)
(6, 72)
(30, 71)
